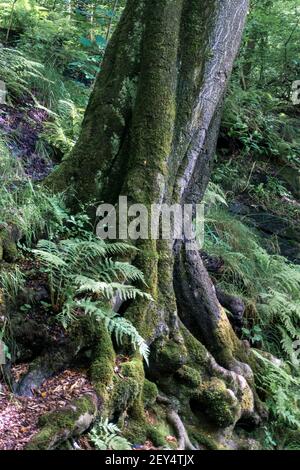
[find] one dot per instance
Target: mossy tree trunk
(149, 133)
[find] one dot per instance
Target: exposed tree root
(174, 419)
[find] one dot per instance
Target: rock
(218, 402)
(30, 336)
(238, 208)
(58, 426)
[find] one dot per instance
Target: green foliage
(255, 335)
(12, 282)
(32, 209)
(106, 436)
(270, 58)
(255, 120)
(63, 130)
(267, 282)
(283, 392)
(58, 55)
(18, 71)
(83, 277)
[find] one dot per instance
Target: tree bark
(150, 133)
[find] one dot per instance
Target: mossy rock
(101, 372)
(172, 356)
(128, 387)
(197, 352)
(218, 403)
(188, 376)
(203, 438)
(103, 361)
(136, 431)
(125, 393)
(60, 425)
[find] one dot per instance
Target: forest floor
(19, 415)
(23, 125)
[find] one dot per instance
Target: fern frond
(50, 258)
(114, 324)
(106, 436)
(108, 290)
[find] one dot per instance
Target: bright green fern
(106, 436)
(83, 277)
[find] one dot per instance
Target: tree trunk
(150, 133)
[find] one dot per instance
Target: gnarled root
(174, 419)
(205, 318)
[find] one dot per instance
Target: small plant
(63, 131)
(4, 349)
(255, 335)
(32, 209)
(17, 71)
(269, 441)
(106, 436)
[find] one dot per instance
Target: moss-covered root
(58, 426)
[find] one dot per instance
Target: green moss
(127, 389)
(101, 372)
(43, 440)
(201, 437)
(156, 436)
(150, 393)
(172, 355)
(58, 424)
(65, 418)
(197, 352)
(189, 376)
(218, 403)
(91, 333)
(127, 396)
(126, 392)
(136, 432)
(134, 369)
(102, 368)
